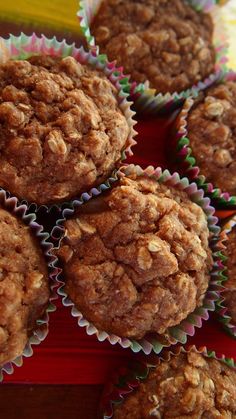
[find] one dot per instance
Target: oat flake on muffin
(61, 128)
(167, 43)
(137, 259)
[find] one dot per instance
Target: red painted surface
(69, 355)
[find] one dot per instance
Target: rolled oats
(144, 259)
(214, 109)
(56, 143)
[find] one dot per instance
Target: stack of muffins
(139, 250)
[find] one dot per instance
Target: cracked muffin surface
(211, 126)
(24, 288)
(137, 259)
(230, 284)
(167, 43)
(188, 386)
(61, 128)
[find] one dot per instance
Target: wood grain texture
(49, 402)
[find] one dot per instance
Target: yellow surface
(57, 14)
(61, 15)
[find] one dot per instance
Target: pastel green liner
(177, 334)
(12, 205)
(127, 380)
(147, 100)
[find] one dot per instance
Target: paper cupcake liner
(127, 380)
(179, 333)
(183, 156)
(39, 334)
(147, 100)
(86, 12)
(23, 47)
(222, 310)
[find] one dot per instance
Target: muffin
(167, 43)
(211, 129)
(230, 285)
(24, 287)
(190, 385)
(136, 259)
(62, 130)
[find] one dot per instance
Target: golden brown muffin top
(188, 386)
(166, 42)
(61, 128)
(137, 259)
(211, 127)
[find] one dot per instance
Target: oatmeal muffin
(167, 43)
(137, 258)
(188, 386)
(61, 128)
(24, 288)
(230, 294)
(211, 129)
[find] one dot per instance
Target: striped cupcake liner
(23, 46)
(148, 101)
(12, 205)
(183, 156)
(221, 307)
(128, 379)
(176, 334)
